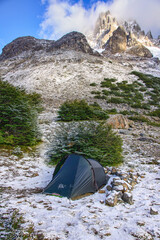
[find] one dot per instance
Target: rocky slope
(60, 74)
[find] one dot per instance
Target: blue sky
(53, 18)
(19, 18)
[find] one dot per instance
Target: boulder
(112, 199)
(117, 43)
(118, 121)
(140, 51)
(127, 197)
(153, 211)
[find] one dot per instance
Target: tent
(75, 176)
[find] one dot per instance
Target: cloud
(64, 16)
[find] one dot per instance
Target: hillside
(66, 72)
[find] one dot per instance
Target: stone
(117, 43)
(118, 121)
(118, 188)
(112, 199)
(127, 197)
(109, 188)
(153, 211)
(101, 191)
(140, 51)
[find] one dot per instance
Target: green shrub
(80, 110)
(116, 100)
(125, 112)
(18, 116)
(111, 111)
(96, 92)
(93, 84)
(93, 140)
(144, 119)
(155, 113)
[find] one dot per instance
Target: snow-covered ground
(87, 218)
(60, 77)
(155, 51)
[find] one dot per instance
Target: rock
(117, 43)
(149, 35)
(112, 199)
(23, 44)
(153, 211)
(101, 191)
(109, 188)
(72, 41)
(140, 51)
(114, 171)
(118, 121)
(118, 188)
(127, 197)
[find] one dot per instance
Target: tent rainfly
(75, 176)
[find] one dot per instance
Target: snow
(58, 77)
(155, 51)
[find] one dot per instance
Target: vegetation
(18, 116)
(93, 84)
(142, 118)
(78, 110)
(139, 94)
(94, 140)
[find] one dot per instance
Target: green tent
(75, 176)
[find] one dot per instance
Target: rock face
(118, 42)
(106, 24)
(139, 51)
(22, 44)
(72, 41)
(149, 35)
(118, 121)
(104, 28)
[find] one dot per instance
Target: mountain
(71, 41)
(107, 35)
(106, 24)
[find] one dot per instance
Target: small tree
(78, 110)
(91, 139)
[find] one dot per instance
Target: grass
(79, 110)
(91, 139)
(18, 116)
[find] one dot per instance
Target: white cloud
(62, 17)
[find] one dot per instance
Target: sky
(51, 19)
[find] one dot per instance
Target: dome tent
(75, 176)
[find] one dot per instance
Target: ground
(24, 175)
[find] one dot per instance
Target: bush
(93, 84)
(18, 116)
(93, 140)
(80, 110)
(155, 113)
(142, 118)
